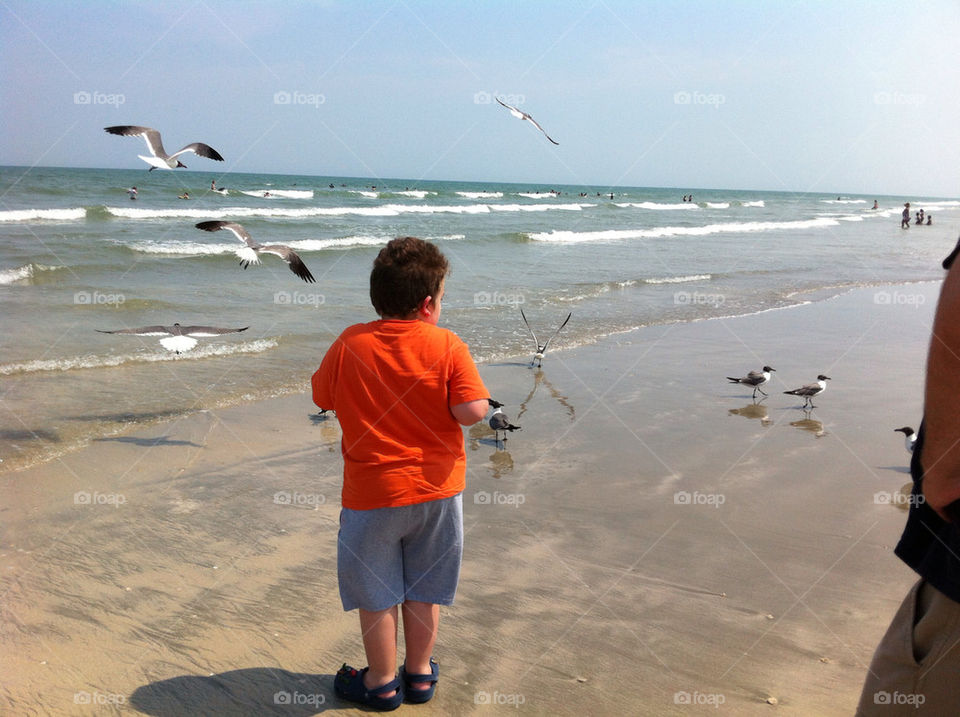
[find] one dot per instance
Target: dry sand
(652, 542)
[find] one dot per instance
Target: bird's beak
(181, 164)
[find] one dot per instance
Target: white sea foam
(94, 361)
(536, 195)
(184, 248)
(25, 215)
(284, 193)
(718, 205)
(418, 193)
(538, 207)
(27, 271)
(679, 279)
(657, 205)
(364, 193)
(657, 232)
(757, 203)
(481, 195)
(844, 201)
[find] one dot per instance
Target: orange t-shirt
(392, 383)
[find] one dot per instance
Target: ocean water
(77, 255)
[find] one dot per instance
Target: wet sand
(651, 540)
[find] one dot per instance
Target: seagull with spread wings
(159, 159)
(542, 348)
(177, 338)
(521, 115)
(250, 254)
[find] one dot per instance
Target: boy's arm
(470, 412)
(323, 379)
(941, 448)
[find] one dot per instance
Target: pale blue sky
(851, 97)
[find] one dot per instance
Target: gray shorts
(386, 556)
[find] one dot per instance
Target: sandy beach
(652, 541)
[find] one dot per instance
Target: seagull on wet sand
(177, 338)
(542, 348)
(909, 437)
(755, 379)
(158, 158)
(499, 421)
(519, 114)
(810, 390)
(250, 253)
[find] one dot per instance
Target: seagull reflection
(540, 377)
(753, 410)
(810, 425)
(501, 463)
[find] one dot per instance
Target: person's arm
(941, 448)
(470, 412)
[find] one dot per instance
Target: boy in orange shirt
(401, 388)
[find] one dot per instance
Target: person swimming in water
(905, 217)
(185, 195)
(132, 192)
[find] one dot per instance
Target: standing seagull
(499, 421)
(158, 158)
(520, 115)
(810, 390)
(755, 379)
(909, 437)
(250, 253)
(542, 349)
(177, 338)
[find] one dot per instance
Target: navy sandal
(419, 696)
(348, 684)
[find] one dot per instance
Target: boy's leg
(420, 623)
(379, 631)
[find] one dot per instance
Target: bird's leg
(761, 391)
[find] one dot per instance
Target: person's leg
(420, 623)
(379, 631)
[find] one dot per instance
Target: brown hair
(406, 271)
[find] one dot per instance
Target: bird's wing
(207, 330)
(200, 149)
(535, 124)
(142, 331)
(557, 331)
(247, 256)
(292, 258)
(528, 323)
(151, 136)
(755, 375)
(238, 231)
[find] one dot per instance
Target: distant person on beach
(876, 204)
(929, 220)
(185, 195)
(401, 388)
(905, 217)
(919, 656)
(920, 215)
(213, 185)
(132, 192)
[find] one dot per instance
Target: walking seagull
(158, 158)
(499, 421)
(810, 390)
(755, 379)
(909, 437)
(250, 254)
(542, 349)
(177, 338)
(520, 115)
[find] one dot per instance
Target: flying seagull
(810, 390)
(542, 349)
(909, 437)
(177, 338)
(755, 379)
(520, 115)
(499, 421)
(158, 158)
(250, 253)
